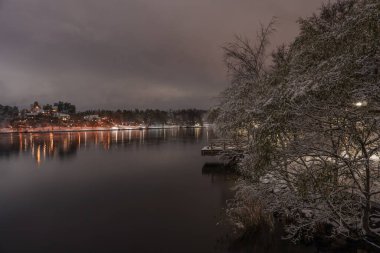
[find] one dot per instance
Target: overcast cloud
(128, 53)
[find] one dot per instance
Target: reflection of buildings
(43, 146)
(218, 171)
(221, 175)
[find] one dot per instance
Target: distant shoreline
(87, 129)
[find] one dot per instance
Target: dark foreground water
(125, 191)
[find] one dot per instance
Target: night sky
(129, 53)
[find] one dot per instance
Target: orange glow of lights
(51, 141)
(38, 155)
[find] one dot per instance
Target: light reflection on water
(43, 146)
(111, 191)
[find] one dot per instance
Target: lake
(120, 191)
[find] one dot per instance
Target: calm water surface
(125, 191)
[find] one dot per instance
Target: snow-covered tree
(312, 121)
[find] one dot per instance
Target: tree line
(152, 116)
(8, 112)
(136, 116)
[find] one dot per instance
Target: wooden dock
(211, 151)
(218, 147)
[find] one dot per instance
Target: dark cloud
(128, 53)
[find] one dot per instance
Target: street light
(360, 103)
